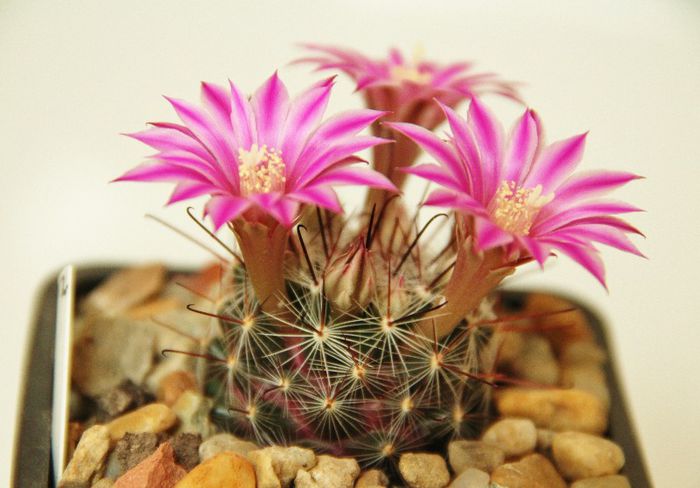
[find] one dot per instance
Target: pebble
(192, 408)
(103, 483)
(471, 478)
(561, 328)
(157, 470)
(152, 418)
(532, 471)
(186, 448)
(535, 361)
(225, 470)
(225, 442)
(88, 458)
(474, 454)
(175, 384)
(613, 481)
(131, 449)
(423, 470)
(111, 351)
(126, 288)
(555, 409)
(118, 400)
(586, 377)
(581, 455)
(514, 436)
(329, 472)
(582, 352)
(277, 466)
(373, 478)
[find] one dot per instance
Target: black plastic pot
(32, 459)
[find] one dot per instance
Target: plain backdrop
(74, 74)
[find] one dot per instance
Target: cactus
(343, 366)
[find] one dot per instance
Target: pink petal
(587, 257)
(556, 162)
(458, 201)
(603, 234)
(595, 209)
(217, 102)
(225, 208)
(488, 133)
(434, 173)
(354, 175)
(522, 147)
(334, 154)
(186, 190)
(167, 137)
(304, 115)
(161, 172)
(536, 249)
(489, 235)
(433, 145)
(321, 196)
(242, 119)
(270, 105)
(469, 152)
(585, 185)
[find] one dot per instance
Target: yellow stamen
(260, 170)
(514, 208)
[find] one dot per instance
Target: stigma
(260, 170)
(514, 208)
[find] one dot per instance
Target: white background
(74, 74)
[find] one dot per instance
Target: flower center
(514, 209)
(410, 73)
(260, 170)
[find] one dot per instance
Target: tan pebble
(157, 470)
(471, 478)
(88, 458)
(514, 436)
(423, 470)
(277, 466)
(559, 328)
(580, 455)
(536, 361)
(474, 454)
(532, 471)
(152, 418)
(582, 352)
(555, 409)
(329, 472)
(225, 470)
(103, 483)
(613, 481)
(175, 384)
(225, 442)
(586, 377)
(126, 288)
(154, 308)
(192, 409)
(373, 478)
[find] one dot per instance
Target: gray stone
(120, 399)
(186, 449)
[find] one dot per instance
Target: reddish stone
(158, 470)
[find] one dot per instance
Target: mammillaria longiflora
(366, 335)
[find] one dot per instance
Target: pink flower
(523, 195)
(260, 156)
(397, 83)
